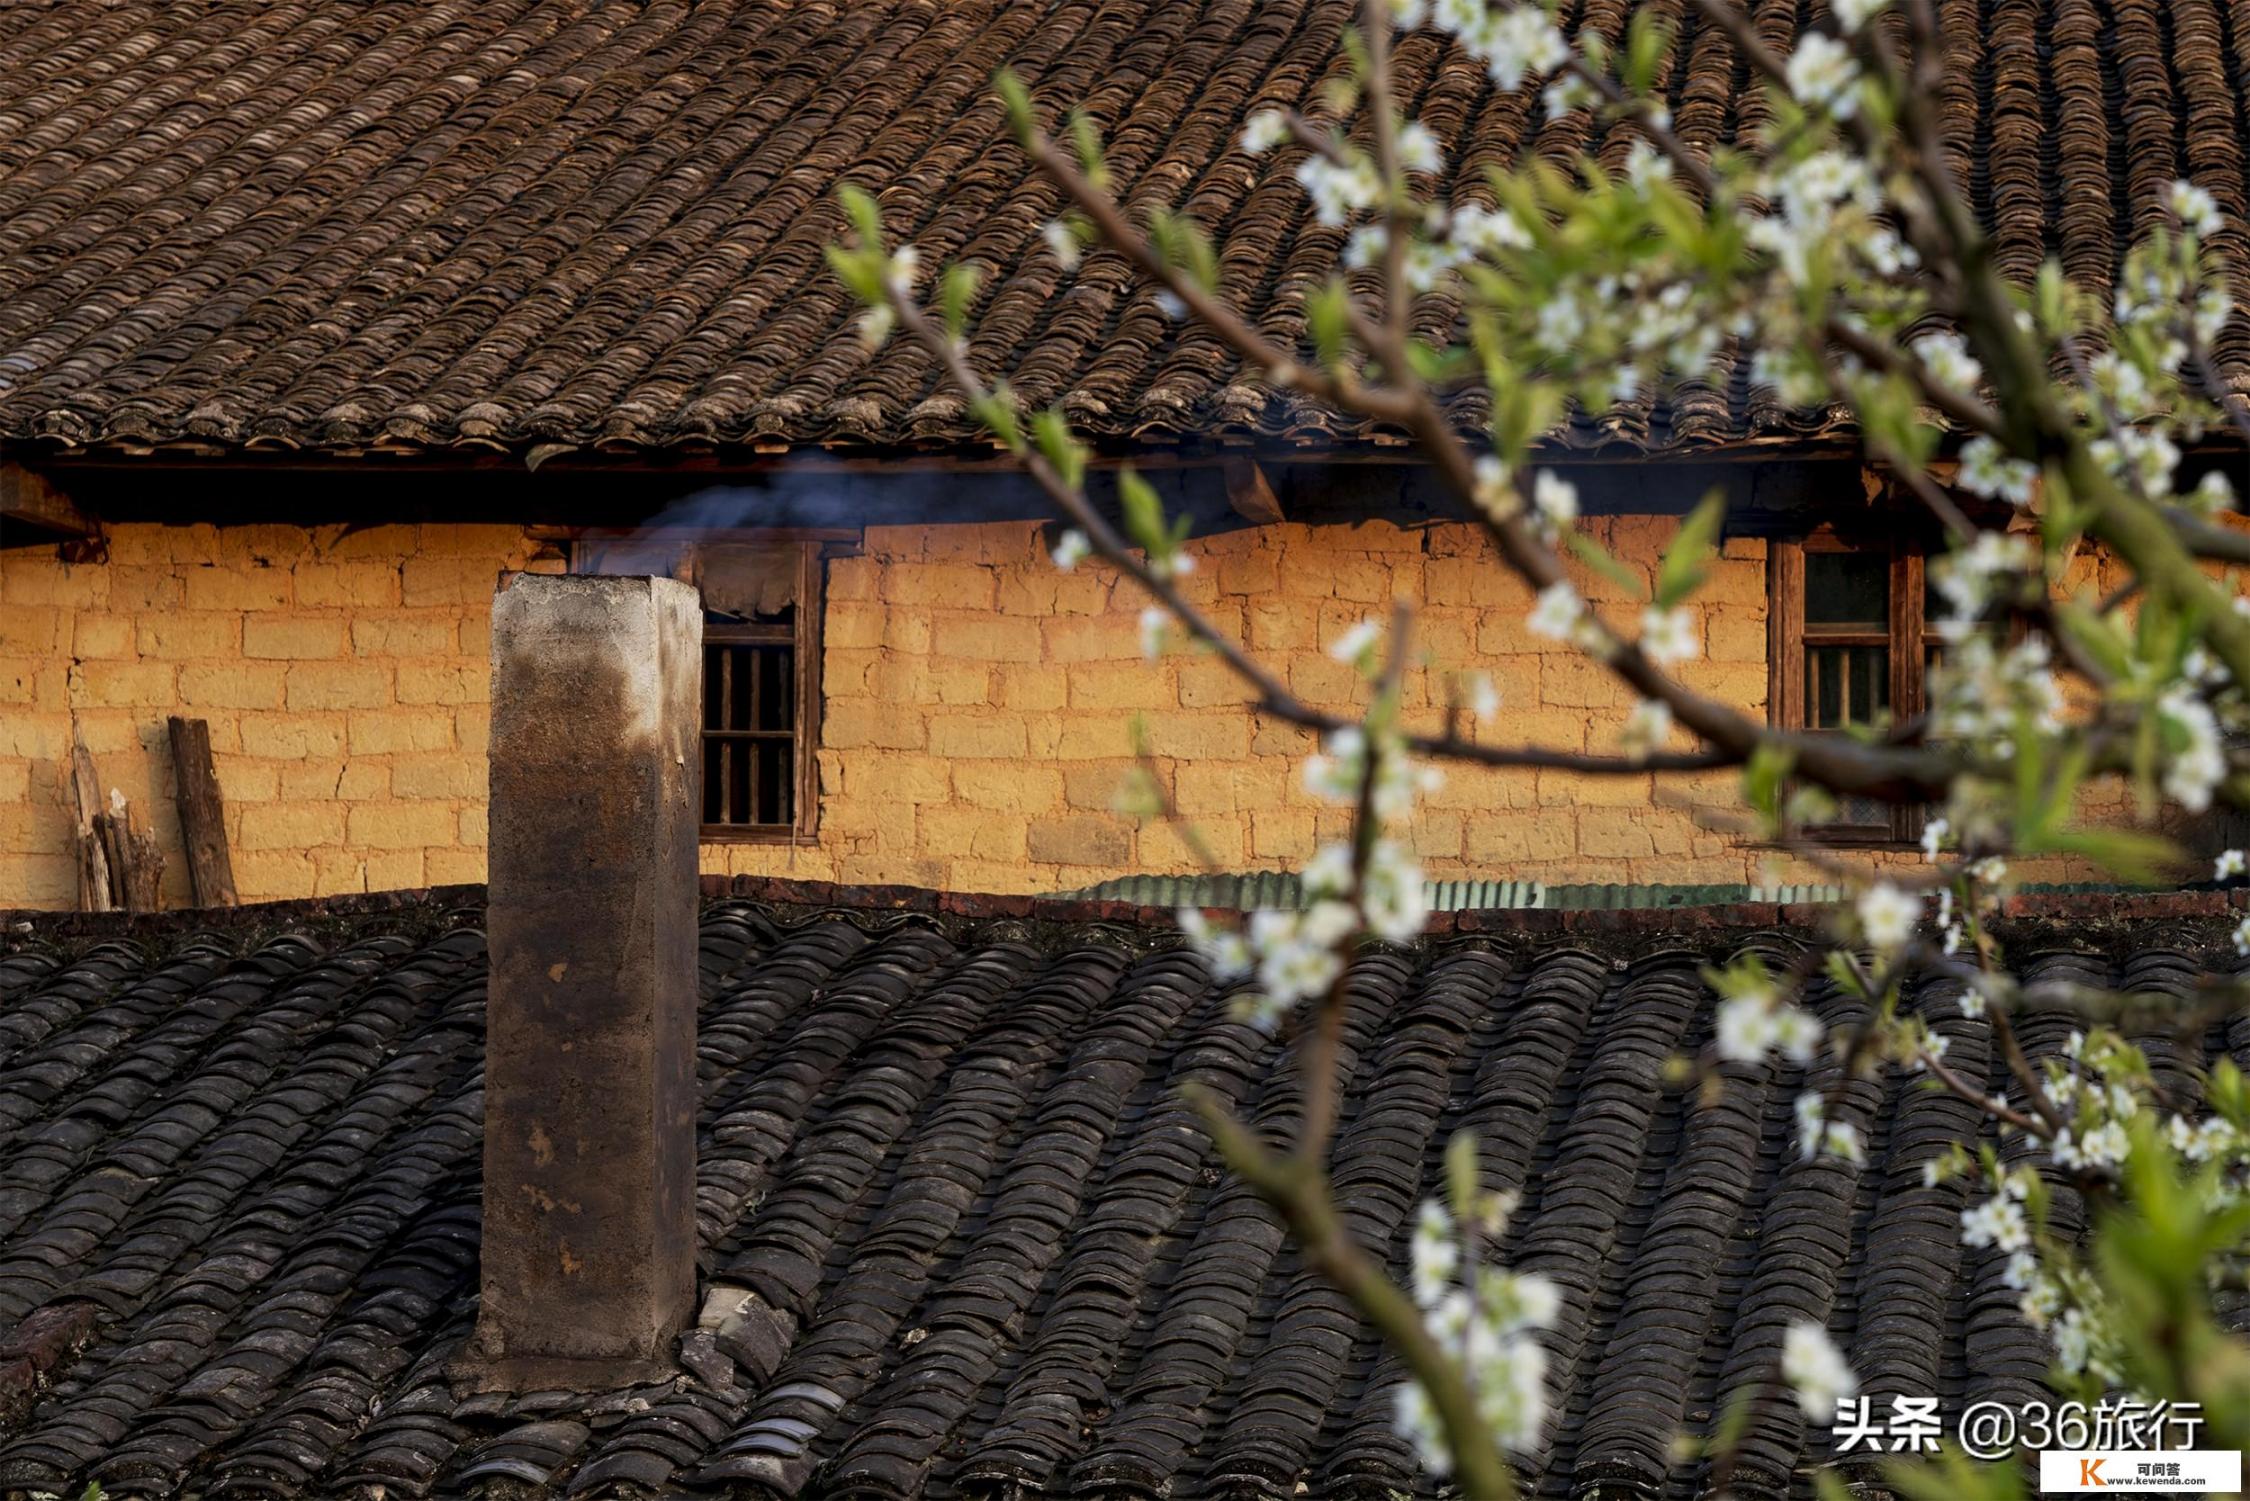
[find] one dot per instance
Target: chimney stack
(588, 1264)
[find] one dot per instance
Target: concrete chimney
(589, 1104)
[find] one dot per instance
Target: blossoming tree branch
(1836, 252)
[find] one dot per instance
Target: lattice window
(1847, 652)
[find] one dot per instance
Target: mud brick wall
(344, 675)
(980, 710)
(978, 720)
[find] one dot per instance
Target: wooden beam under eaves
(32, 510)
(1249, 492)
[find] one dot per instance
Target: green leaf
(859, 270)
(1144, 513)
(1015, 101)
(1461, 1186)
(2132, 855)
(957, 288)
(1182, 245)
(1684, 566)
(1051, 431)
(997, 411)
(2225, 1089)
(1597, 558)
(1647, 40)
(1326, 320)
(1763, 777)
(867, 219)
(1088, 142)
(2098, 636)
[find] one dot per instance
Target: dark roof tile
(311, 225)
(976, 1239)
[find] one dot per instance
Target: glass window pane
(1848, 588)
(1862, 813)
(1846, 685)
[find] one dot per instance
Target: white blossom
(1224, 949)
(1526, 1299)
(875, 325)
(1489, 1329)
(1338, 192)
(1822, 75)
(1071, 549)
(1334, 774)
(1557, 613)
(1435, 1255)
(1328, 873)
(1393, 900)
(1816, 1370)
(1646, 727)
(1477, 231)
(1816, 1133)
(1746, 1029)
(1946, 357)
(1297, 954)
(1418, 149)
(2141, 457)
(1356, 643)
(1264, 130)
(1853, 14)
(1061, 243)
(1987, 471)
(2198, 762)
(1668, 635)
(1999, 1222)
(1495, 493)
(2077, 1341)
(2196, 209)
(1156, 625)
(1933, 838)
(1555, 499)
(1645, 166)
(1517, 43)
(1797, 1034)
(1566, 93)
(2229, 866)
(1887, 915)
(2101, 1148)
(1484, 698)
(1967, 577)
(2212, 494)
(1458, 16)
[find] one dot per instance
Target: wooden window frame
(803, 635)
(1787, 634)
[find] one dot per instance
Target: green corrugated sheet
(1251, 890)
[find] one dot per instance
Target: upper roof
(492, 225)
(970, 1238)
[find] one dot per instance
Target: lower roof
(972, 1240)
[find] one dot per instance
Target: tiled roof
(493, 225)
(980, 1245)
